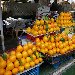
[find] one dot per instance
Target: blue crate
(34, 71)
(57, 64)
(31, 71)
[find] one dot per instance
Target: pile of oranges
(23, 58)
(43, 27)
(58, 44)
(64, 19)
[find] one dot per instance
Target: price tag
(70, 35)
(24, 41)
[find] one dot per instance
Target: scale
(1, 29)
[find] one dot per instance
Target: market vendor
(55, 6)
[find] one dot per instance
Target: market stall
(50, 39)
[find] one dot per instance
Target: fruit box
(31, 71)
(32, 38)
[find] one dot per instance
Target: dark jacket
(55, 7)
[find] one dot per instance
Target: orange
(35, 33)
(71, 47)
(65, 49)
(49, 21)
(45, 39)
(50, 47)
(52, 39)
(55, 29)
(23, 61)
(42, 42)
(28, 59)
(62, 13)
(24, 54)
(32, 63)
(46, 50)
(15, 71)
(57, 50)
(21, 68)
(38, 43)
(2, 64)
(57, 39)
(12, 53)
(70, 42)
(18, 55)
(1, 58)
(54, 50)
(27, 66)
(36, 28)
(28, 30)
(43, 50)
(50, 52)
(34, 48)
(60, 46)
(37, 22)
(40, 59)
(46, 44)
(2, 71)
(52, 25)
(42, 22)
(33, 57)
(30, 45)
(49, 26)
(29, 52)
(16, 64)
(8, 61)
(40, 27)
(40, 32)
(73, 41)
(10, 66)
(62, 51)
(52, 20)
(12, 58)
(19, 48)
(8, 73)
(53, 45)
(66, 42)
(37, 39)
(49, 30)
(36, 61)
(44, 27)
(38, 48)
(61, 22)
(60, 42)
(25, 47)
(43, 45)
(44, 31)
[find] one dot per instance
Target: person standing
(55, 6)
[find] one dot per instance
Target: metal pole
(1, 28)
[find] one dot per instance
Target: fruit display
(56, 44)
(23, 58)
(65, 19)
(42, 27)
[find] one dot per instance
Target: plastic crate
(34, 71)
(31, 71)
(32, 38)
